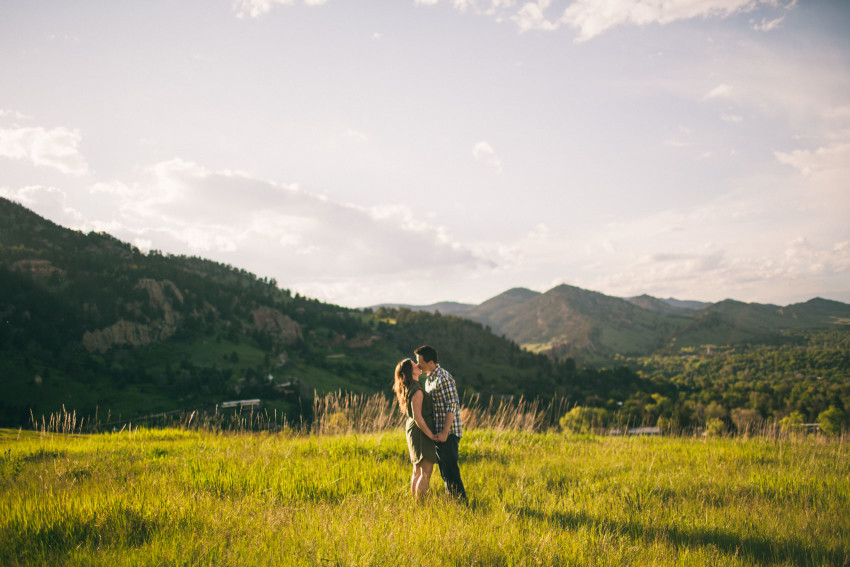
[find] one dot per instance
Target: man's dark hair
(427, 353)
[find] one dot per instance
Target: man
(447, 423)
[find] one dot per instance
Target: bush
(666, 424)
(337, 422)
(715, 427)
(831, 420)
(746, 420)
(584, 420)
(791, 422)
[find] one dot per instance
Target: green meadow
(195, 497)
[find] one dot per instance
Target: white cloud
(832, 158)
(356, 135)
(798, 94)
(143, 244)
(768, 25)
(309, 243)
(824, 174)
(282, 230)
(57, 148)
(806, 91)
(526, 15)
(257, 8)
(531, 17)
(592, 17)
(711, 272)
(720, 91)
(483, 152)
(52, 203)
(13, 114)
(115, 188)
(771, 239)
(837, 112)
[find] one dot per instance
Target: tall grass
(345, 412)
(350, 412)
(204, 494)
(242, 419)
(332, 413)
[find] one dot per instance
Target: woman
(417, 405)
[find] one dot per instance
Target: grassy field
(172, 496)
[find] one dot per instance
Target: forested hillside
(489, 365)
(94, 324)
(91, 322)
(805, 372)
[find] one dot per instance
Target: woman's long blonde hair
(403, 381)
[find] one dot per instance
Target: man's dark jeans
(449, 469)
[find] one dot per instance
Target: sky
(416, 151)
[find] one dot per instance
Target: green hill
(818, 312)
(443, 307)
(667, 306)
(733, 322)
(500, 310)
(92, 323)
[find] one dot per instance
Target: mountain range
(568, 321)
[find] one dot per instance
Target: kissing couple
(434, 425)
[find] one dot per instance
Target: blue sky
(402, 151)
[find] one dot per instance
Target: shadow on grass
(791, 550)
(48, 542)
(473, 458)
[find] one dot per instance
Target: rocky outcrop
(160, 292)
(278, 325)
(162, 295)
(125, 333)
(37, 267)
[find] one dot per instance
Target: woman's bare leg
(414, 479)
(426, 467)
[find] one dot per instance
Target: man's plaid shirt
(443, 390)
